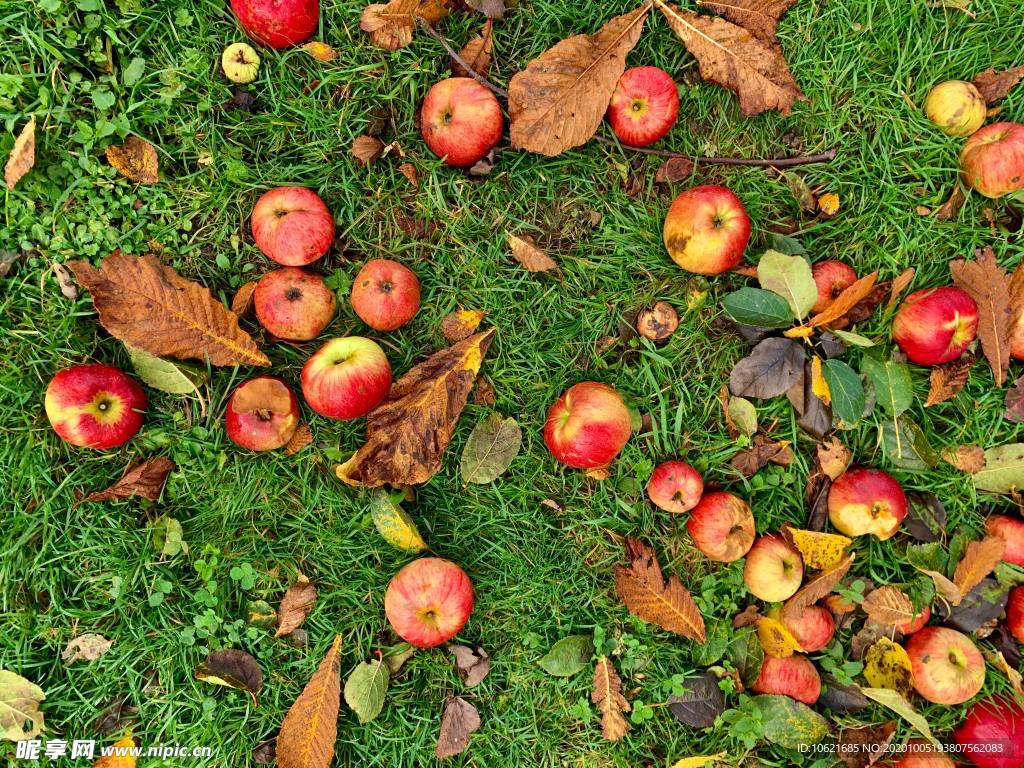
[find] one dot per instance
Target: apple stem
(782, 162)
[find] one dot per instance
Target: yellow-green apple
(812, 628)
(292, 226)
(935, 325)
(675, 486)
(722, 526)
(262, 414)
(1010, 530)
(95, 405)
(293, 304)
(992, 160)
(832, 278)
(1015, 613)
(429, 601)
(917, 623)
(773, 570)
(706, 230)
(921, 753)
(460, 121)
(863, 501)
(346, 378)
(587, 426)
(992, 734)
(644, 106)
(957, 107)
(240, 63)
(278, 23)
(385, 294)
(948, 668)
(794, 676)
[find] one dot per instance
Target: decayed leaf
(788, 722)
(295, 605)
(394, 524)
(657, 323)
(492, 9)
(761, 17)
(526, 252)
(818, 550)
(994, 86)
(731, 56)
(87, 647)
(473, 664)
(68, 289)
(898, 704)
(1004, 469)
(396, 656)
(740, 414)
(763, 450)
(409, 171)
(966, 458)
(492, 446)
(899, 285)
(1013, 675)
(390, 25)
(476, 53)
(986, 282)
(952, 206)
(320, 51)
(144, 479)
(168, 536)
(232, 668)
(459, 720)
(116, 759)
(775, 639)
(833, 457)
(647, 595)
(310, 728)
(771, 368)
(700, 702)
(674, 169)
(461, 323)
(978, 561)
(607, 694)
(948, 379)
(850, 297)
(944, 588)
(23, 154)
(243, 300)
(149, 305)
(301, 437)
(20, 716)
(136, 160)
(888, 605)
(366, 688)
(817, 588)
(367, 149)
(698, 761)
(887, 665)
(560, 99)
(407, 435)
(864, 746)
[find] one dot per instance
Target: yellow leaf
(828, 204)
(887, 665)
(135, 159)
(698, 762)
(23, 154)
(394, 524)
(461, 323)
(776, 640)
(819, 386)
(819, 550)
(800, 332)
(320, 51)
(125, 760)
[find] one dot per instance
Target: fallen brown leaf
(966, 458)
(526, 252)
(476, 53)
(320, 51)
(749, 615)
(492, 9)
(952, 206)
(473, 664)
(888, 605)
(301, 437)
(978, 561)
(145, 479)
(673, 170)
(899, 285)
(310, 728)
(367, 149)
(986, 282)
(483, 393)
(461, 323)
(948, 379)
(409, 171)
(994, 86)
(817, 588)
(647, 595)
(850, 297)
(864, 746)
(459, 720)
(607, 694)
(136, 160)
(760, 17)
(833, 457)
(391, 25)
(657, 323)
(65, 282)
(295, 605)
(242, 301)
(763, 450)
(23, 154)
(87, 647)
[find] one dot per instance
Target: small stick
(425, 25)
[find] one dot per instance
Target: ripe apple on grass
(1015, 613)
(460, 121)
(385, 294)
(240, 63)
(278, 23)
(832, 278)
(346, 378)
(773, 570)
(863, 501)
(262, 414)
(957, 107)
(935, 325)
(794, 676)
(292, 226)
(587, 426)
(722, 527)
(812, 629)
(992, 734)
(95, 405)
(675, 486)
(293, 304)
(429, 601)
(644, 106)
(1010, 530)
(948, 668)
(706, 230)
(992, 160)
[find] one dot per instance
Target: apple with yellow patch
(1010, 530)
(706, 230)
(948, 668)
(675, 486)
(794, 676)
(644, 106)
(866, 501)
(812, 628)
(722, 526)
(992, 160)
(774, 570)
(935, 325)
(429, 601)
(588, 426)
(95, 405)
(346, 378)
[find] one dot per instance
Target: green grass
(539, 574)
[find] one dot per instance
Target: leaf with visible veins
(648, 596)
(987, 283)
(761, 17)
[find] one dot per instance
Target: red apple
(95, 405)
(292, 226)
(675, 486)
(921, 753)
(774, 570)
(644, 106)
(992, 734)
(864, 501)
(917, 623)
(1015, 613)
(832, 278)
(262, 414)
(793, 676)
(948, 668)
(706, 230)
(722, 527)
(346, 378)
(429, 601)
(1017, 336)
(293, 304)
(588, 426)
(935, 325)
(278, 23)
(812, 629)
(385, 294)
(460, 121)
(992, 160)
(1010, 530)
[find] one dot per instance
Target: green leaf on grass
(568, 656)
(743, 415)
(851, 338)
(789, 723)
(365, 689)
(846, 389)
(168, 537)
(165, 375)
(1004, 469)
(905, 445)
(492, 446)
(891, 380)
(761, 309)
(790, 277)
(901, 707)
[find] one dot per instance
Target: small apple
(774, 570)
(921, 753)
(917, 623)
(293, 304)
(706, 230)
(832, 278)
(346, 378)
(992, 160)
(935, 325)
(948, 668)
(588, 426)
(1015, 613)
(460, 121)
(675, 486)
(240, 63)
(429, 601)
(992, 734)
(863, 501)
(292, 226)
(812, 629)
(94, 405)
(385, 294)
(644, 106)
(262, 414)
(278, 23)
(722, 527)
(957, 107)
(1010, 530)
(794, 676)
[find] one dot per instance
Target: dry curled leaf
(866, 745)
(761, 17)
(763, 450)
(833, 457)
(232, 668)
(473, 664)
(320, 51)
(409, 171)
(946, 380)
(978, 561)
(367, 149)
(145, 479)
(850, 297)
(607, 694)
(87, 647)
(407, 434)
(952, 206)
(68, 289)
(817, 588)
(674, 169)
(994, 86)
(476, 53)
(899, 285)
(888, 605)
(136, 160)
(23, 154)
(966, 458)
(243, 300)
(150, 306)
(648, 596)
(526, 252)
(986, 282)
(295, 605)
(492, 9)
(310, 728)
(461, 323)
(301, 437)
(459, 720)
(391, 25)
(560, 99)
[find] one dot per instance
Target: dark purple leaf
(926, 518)
(982, 604)
(772, 367)
(701, 702)
(841, 698)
